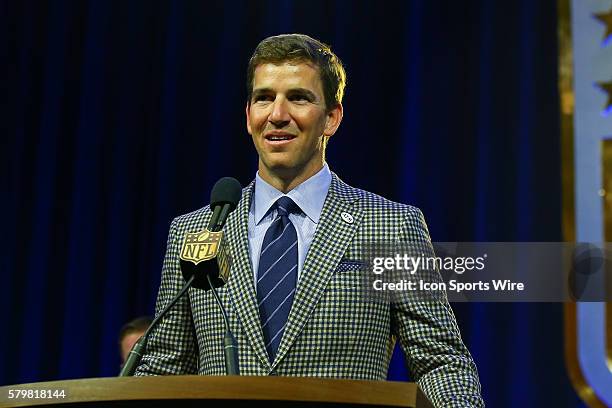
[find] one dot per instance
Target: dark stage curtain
(119, 115)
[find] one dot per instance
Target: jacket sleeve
(172, 347)
(430, 338)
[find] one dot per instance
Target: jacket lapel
(331, 239)
(240, 285)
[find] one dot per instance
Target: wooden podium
(207, 391)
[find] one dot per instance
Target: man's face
(287, 119)
(127, 343)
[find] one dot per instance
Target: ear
(332, 122)
(248, 118)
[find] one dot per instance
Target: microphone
(201, 248)
(200, 270)
(224, 198)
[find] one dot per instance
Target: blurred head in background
(130, 333)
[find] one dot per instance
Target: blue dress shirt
(309, 196)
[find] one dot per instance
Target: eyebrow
(260, 91)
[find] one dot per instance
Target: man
(130, 333)
(293, 297)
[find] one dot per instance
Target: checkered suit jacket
(333, 330)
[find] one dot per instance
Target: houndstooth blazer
(333, 329)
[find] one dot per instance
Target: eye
(263, 98)
(302, 98)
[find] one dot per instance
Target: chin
(280, 167)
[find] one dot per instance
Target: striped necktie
(277, 274)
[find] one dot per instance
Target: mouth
(279, 138)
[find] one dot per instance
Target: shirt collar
(309, 195)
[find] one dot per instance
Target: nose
(279, 116)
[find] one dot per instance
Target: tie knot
(286, 206)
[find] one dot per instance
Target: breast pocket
(355, 280)
(348, 275)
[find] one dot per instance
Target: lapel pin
(348, 218)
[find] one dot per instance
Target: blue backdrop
(118, 116)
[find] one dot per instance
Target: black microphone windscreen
(226, 191)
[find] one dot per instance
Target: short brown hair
(300, 47)
(138, 325)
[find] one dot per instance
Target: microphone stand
(140, 346)
(229, 341)
(230, 347)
